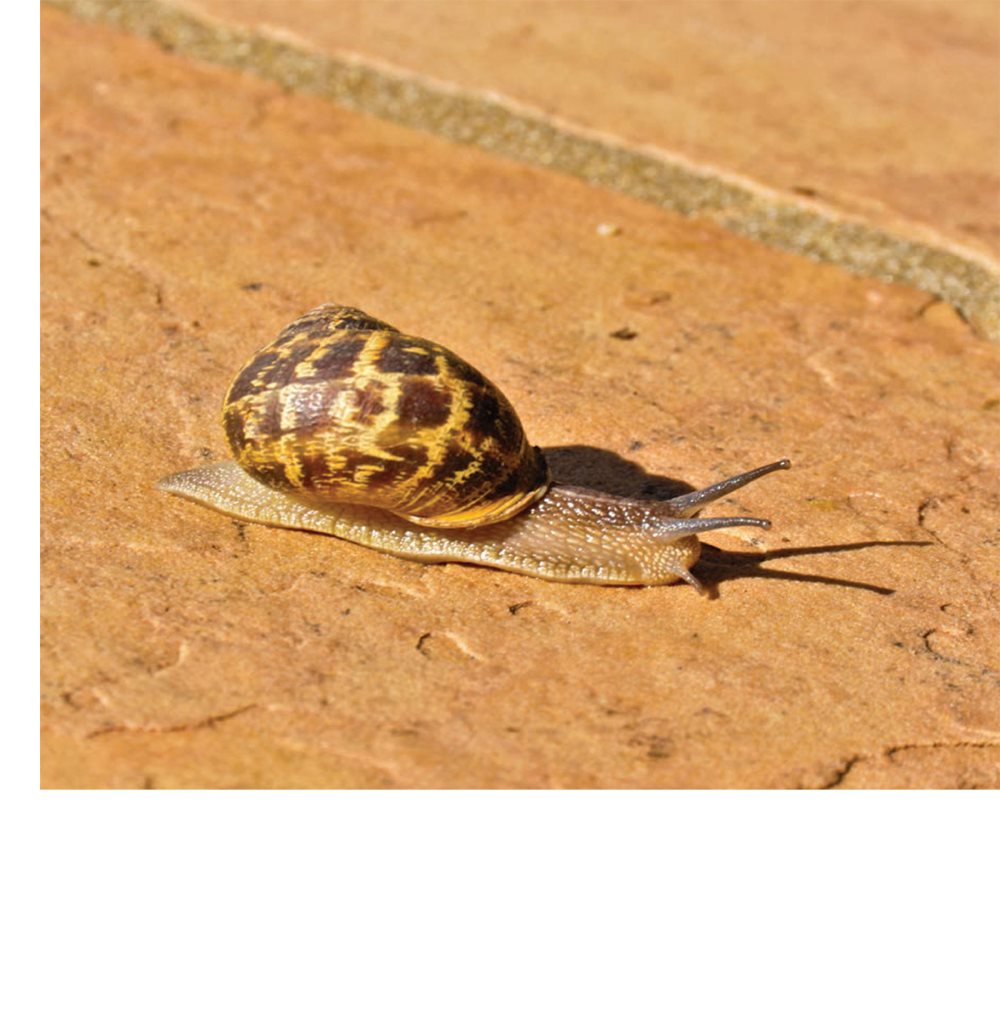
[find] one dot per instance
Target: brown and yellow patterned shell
(343, 408)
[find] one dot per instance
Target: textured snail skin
(569, 535)
(344, 425)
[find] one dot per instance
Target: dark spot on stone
(624, 333)
(636, 444)
(252, 287)
(423, 402)
(406, 356)
(658, 747)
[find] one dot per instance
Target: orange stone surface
(191, 211)
(887, 110)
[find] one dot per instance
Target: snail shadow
(717, 565)
(594, 468)
(607, 472)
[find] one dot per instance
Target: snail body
(347, 427)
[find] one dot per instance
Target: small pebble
(607, 229)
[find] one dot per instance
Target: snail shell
(346, 426)
(344, 408)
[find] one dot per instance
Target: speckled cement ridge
(959, 279)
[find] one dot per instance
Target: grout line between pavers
(969, 282)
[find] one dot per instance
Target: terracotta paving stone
(814, 128)
(190, 211)
(895, 105)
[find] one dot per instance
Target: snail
(346, 426)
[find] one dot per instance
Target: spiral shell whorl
(343, 408)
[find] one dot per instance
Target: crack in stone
(74, 234)
(964, 559)
(112, 258)
(926, 636)
(922, 509)
(206, 722)
(967, 744)
(984, 671)
(842, 771)
(845, 767)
